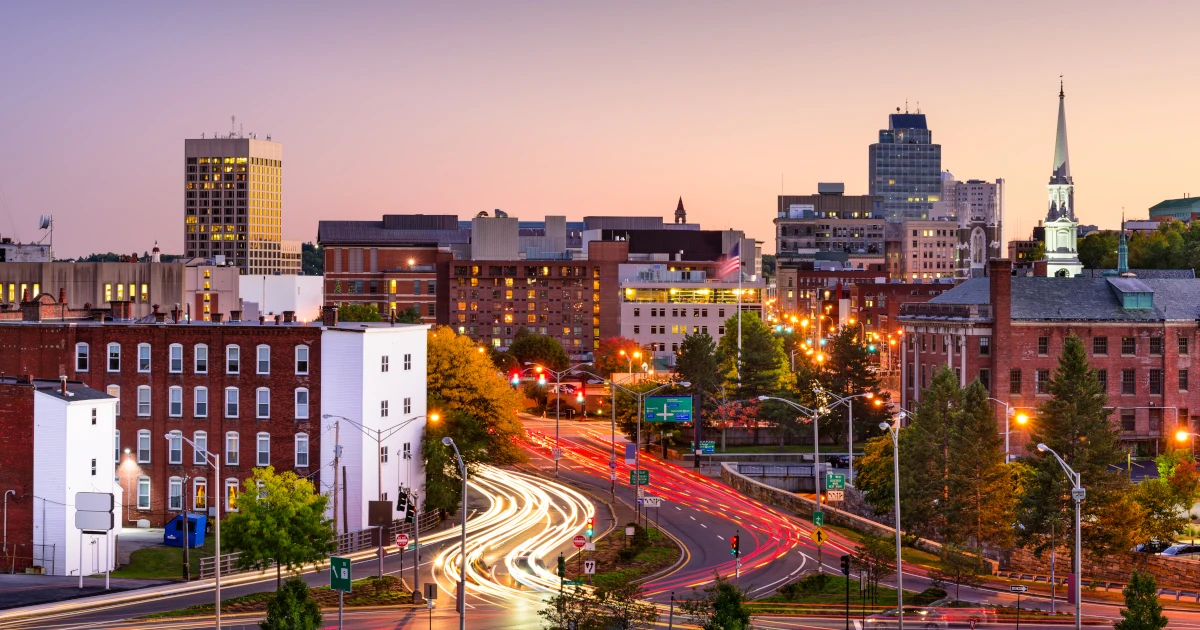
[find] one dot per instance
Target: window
(263, 448)
(1128, 345)
(114, 357)
(383, 454)
(1043, 346)
(115, 392)
(175, 402)
(1041, 381)
(383, 364)
(200, 361)
(232, 446)
(175, 366)
(143, 400)
(143, 446)
(143, 358)
(116, 447)
(264, 360)
(174, 447)
(985, 346)
(985, 379)
(1100, 345)
(1156, 420)
(383, 409)
(301, 450)
(231, 494)
(302, 404)
(1128, 384)
(262, 408)
(1014, 381)
(407, 450)
(200, 406)
(93, 467)
(175, 494)
(81, 357)
(301, 359)
(199, 448)
(143, 493)
(407, 362)
(407, 406)
(1156, 346)
(1156, 382)
(1183, 380)
(1183, 345)
(200, 495)
(233, 357)
(231, 402)
(1102, 378)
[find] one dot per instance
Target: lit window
(231, 494)
(200, 495)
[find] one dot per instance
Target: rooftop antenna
(232, 125)
(46, 222)
(906, 106)
(918, 107)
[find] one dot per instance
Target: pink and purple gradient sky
(577, 109)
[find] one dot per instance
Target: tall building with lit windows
(233, 204)
(906, 168)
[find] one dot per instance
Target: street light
(636, 354)
(894, 431)
(816, 447)
(215, 462)
(849, 400)
(462, 570)
(637, 452)
(557, 398)
(1078, 494)
(1009, 414)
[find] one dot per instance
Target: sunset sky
(580, 108)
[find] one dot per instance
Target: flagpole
(739, 314)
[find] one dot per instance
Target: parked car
(840, 461)
(928, 618)
(1154, 546)
(1182, 550)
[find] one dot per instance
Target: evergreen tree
(292, 608)
(762, 367)
(540, 349)
(845, 373)
(982, 502)
(925, 456)
(697, 363)
(1074, 423)
(1142, 609)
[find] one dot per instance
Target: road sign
(835, 481)
(402, 540)
(572, 582)
(818, 518)
(836, 495)
(630, 454)
(642, 477)
(556, 453)
(819, 536)
(589, 567)
(706, 447)
(612, 464)
(579, 541)
(94, 512)
(653, 502)
(629, 531)
(339, 574)
(669, 409)
(1018, 589)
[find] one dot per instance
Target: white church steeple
(1062, 229)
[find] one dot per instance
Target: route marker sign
(836, 495)
(612, 464)
(630, 454)
(1018, 589)
(819, 536)
(835, 481)
(556, 453)
(579, 541)
(339, 574)
(589, 567)
(652, 502)
(818, 519)
(639, 477)
(402, 540)
(669, 409)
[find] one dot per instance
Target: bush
(292, 608)
(928, 596)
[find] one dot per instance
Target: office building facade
(905, 168)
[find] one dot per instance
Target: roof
(1144, 274)
(76, 390)
(1186, 202)
(373, 232)
(907, 121)
(1085, 299)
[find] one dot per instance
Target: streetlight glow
(1181, 436)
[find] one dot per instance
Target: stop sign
(580, 541)
(401, 540)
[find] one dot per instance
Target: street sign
(430, 591)
(612, 464)
(1018, 589)
(630, 454)
(835, 481)
(591, 546)
(642, 477)
(339, 574)
(572, 582)
(589, 567)
(836, 495)
(402, 540)
(669, 409)
(652, 502)
(94, 512)
(629, 531)
(819, 536)
(579, 541)
(818, 518)
(706, 447)
(556, 453)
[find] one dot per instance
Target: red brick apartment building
(1008, 331)
(247, 391)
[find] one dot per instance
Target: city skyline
(543, 109)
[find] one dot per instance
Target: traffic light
(401, 502)
(541, 380)
(410, 515)
(591, 526)
(871, 348)
(562, 566)
(733, 546)
(846, 565)
(516, 378)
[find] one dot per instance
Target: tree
(312, 259)
(359, 312)
(292, 608)
(443, 483)
(1179, 469)
(572, 609)
(410, 315)
(982, 500)
(925, 456)
(280, 519)
(846, 372)
(1142, 609)
(621, 607)
(697, 362)
(720, 606)
(540, 349)
(759, 367)
(876, 556)
(1075, 424)
(1098, 250)
(874, 473)
(460, 377)
(1163, 514)
(959, 568)
(615, 354)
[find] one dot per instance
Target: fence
(344, 544)
(16, 557)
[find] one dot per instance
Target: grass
(164, 563)
(661, 553)
(832, 591)
(908, 554)
(370, 591)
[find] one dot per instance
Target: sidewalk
(18, 590)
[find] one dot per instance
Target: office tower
(1062, 229)
(233, 204)
(906, 168)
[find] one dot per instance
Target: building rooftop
(907, 121)
(374, 232)
(1180, 204)
(1086, 299)
(76, 390)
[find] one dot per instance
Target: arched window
(175, 401)
(301, 359)
(301, 403)
(175, 354)
(199, 447)
(262, 403)
(143, 358)
(200, 359)
(301, 450)
(175, 447)
(200, 494)
(200, 402)
(263, 449)
(263, 359)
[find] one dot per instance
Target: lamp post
(894, 431)
(636, 354)
(613, 440)
(557, 397)
(1078, 494)
(1009, 414)
(215, 462)
(462, 570)
(637, 452)
(849, 400)
(816, 449)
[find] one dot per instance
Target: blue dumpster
(173, 532)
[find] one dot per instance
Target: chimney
(121, 309)
(217, 317)
(175, 314)
(62, 382)
(160, 318)
(277, 319)
(235, 316)
(262, 319)
(97, 315)
(329, 316)
(62, 295)
(289, 317)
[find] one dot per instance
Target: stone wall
(1169, 573)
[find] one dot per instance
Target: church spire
(1122, 250)
(680, 213)
(1062, 162)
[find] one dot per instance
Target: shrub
(292, 608)
(928, 596)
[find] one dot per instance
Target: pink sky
(560, 108)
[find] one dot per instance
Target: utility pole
(337, 450)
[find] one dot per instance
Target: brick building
(1007, 331)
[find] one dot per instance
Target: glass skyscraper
(906, 168)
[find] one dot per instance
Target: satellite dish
(44, 222)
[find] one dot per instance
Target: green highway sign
(818, 519)
(707, 447)
(573, 582)
(835, 481)
(669, 409)
(339, 574)
(642, 477)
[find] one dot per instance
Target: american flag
(730, 263)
